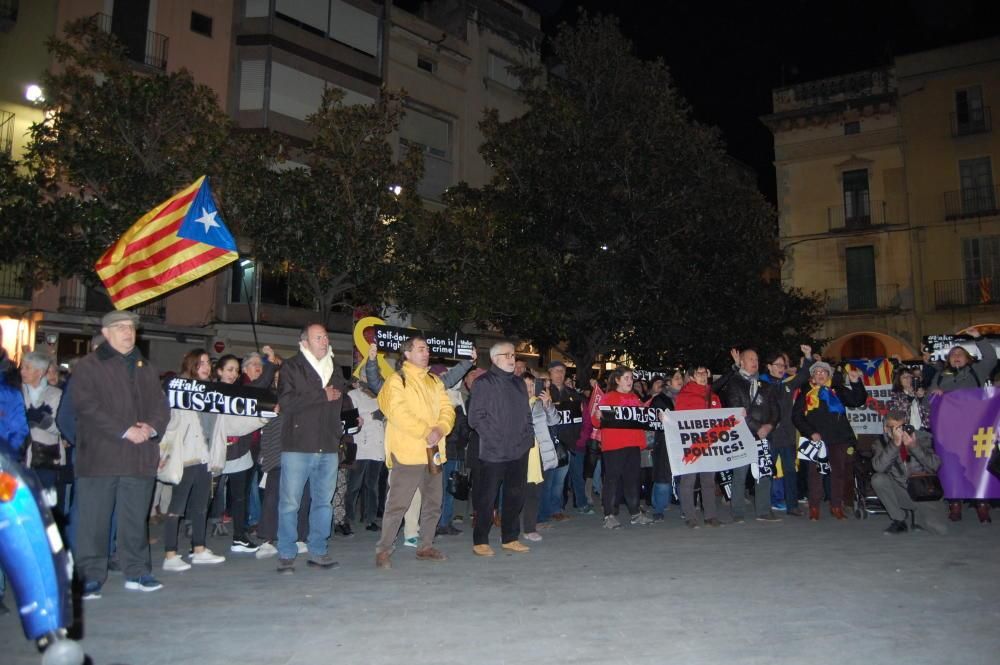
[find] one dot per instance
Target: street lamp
(33, 93)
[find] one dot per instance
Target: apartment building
(887, 198)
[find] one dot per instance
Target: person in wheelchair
(901, 455)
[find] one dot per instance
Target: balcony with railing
(974, 121)
(953, 293)
(149, 49)
(6, 132)
(971, 202)
(12, 284)
(883, 298)
(75, 296)
(859, 217)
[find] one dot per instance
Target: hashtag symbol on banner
(983, 442)
(176, 383)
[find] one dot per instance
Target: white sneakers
(176, 564)
(206, 556)
(265, 551)
(302, 547)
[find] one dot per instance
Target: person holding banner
(742, 388)
(620, 453)
(783, 438)
(569, 405)
(819, 414)
(190, 496)
(963, 371)
(695, 395)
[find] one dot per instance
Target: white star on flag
(207, 219)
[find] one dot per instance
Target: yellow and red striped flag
(177, 242)
(874, 371)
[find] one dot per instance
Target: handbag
(924, 487)
(171, 467)
(561, 453)
(45, 456)
(460, 483)
(348, 451)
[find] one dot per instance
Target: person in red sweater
(621, 450)
(697, 394)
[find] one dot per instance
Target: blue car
(37, 564)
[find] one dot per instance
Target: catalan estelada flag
(177, 242)
(874, 371)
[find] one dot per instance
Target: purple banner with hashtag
(966, 424)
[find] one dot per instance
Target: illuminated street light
(33, 93)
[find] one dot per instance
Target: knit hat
(817, 366)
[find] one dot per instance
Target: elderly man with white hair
(500, 413)
(46, 455)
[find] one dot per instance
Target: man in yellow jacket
(418, 417)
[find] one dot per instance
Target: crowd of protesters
(528, 442)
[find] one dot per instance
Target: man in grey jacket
(499, 412)
(898, 455)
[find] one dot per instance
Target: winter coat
(41, 415)
(542, 418)
(109, 398)
(13, 424)
(311, 424)
(970, 376)
(886, 458)
(785, 391)
(734, 391)
(661, 461)
(834, 428)
(500, 414)
(371, 438)
(901, 401)
(412, 409)
(617, 439)
(693, 397)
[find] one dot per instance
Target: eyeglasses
(506, 355)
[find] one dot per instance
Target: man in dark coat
(121, 412)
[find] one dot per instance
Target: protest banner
(938, 346)
(349, 419)
(708, 440)
(222, 398)
(765, 461)
(876, 374)
(630, 417)
(966, 424)
(648, 374)
(570, 412)
(389, 339)
(815, 452)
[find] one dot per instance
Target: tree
(114, 144)
(334, 224)
(627, 228)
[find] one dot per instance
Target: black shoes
(897, 527)
(373, 527)
(449, 530)
(344, 529)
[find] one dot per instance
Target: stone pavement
(754, 593)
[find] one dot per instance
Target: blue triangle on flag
(203, 223)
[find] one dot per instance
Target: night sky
(726, 57)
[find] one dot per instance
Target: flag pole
(251, 296)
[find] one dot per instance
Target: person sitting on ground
(899, 454)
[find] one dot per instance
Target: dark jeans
(513, 476)
(621, 474)
(362, 481)
(839, 465)
(130, 498)
(190, 498)
(55, 479)
(576, 479)
(238, 494)
(447, 500)
(529, 515)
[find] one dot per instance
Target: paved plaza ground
(794, 592)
